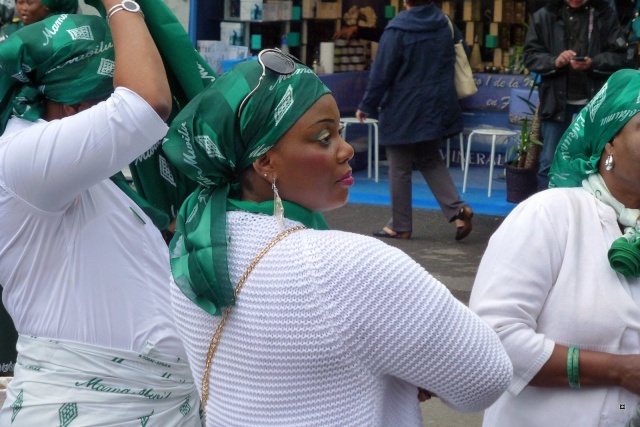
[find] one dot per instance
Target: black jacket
(546, 39)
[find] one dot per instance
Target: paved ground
(432, 245)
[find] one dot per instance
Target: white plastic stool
(490, 132)
(372, 125)
(461, 150)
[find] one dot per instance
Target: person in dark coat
(577, 41)
(411, 87)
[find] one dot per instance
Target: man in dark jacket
(576, 41)
(411, 86)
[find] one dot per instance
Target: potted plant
(521, 173)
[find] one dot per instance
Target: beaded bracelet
(572, 367)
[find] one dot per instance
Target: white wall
(180, 8)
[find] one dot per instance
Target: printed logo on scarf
(17, 405)
(165, 171)
(619, 116)
(284, 105)
(49, 33)
(20, 77)
(597, 101)
(190, 157)
(68, 412)
(145, 419)
(81, 33)
(259, 151)
(186, 407)
(106, 67)
(212, 150)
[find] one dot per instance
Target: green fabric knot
(624, 257)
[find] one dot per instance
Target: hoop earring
(278, 208)
(608, 162)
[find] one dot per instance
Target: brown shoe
(389, 233)
(464, 215)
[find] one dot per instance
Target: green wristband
(573, 372)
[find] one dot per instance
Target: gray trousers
(428, 159)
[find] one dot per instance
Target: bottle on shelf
(476, 59)
(284, 47)
(317, 66)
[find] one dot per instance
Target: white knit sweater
(337, 329)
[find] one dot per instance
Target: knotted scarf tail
(624, 257)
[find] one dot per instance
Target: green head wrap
(576, 160)
(211, 146)
(155, 179)
(599, 121)
(61, 6)
(65, 58)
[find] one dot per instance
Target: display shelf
(499, 26)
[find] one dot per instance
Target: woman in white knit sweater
(329, 328)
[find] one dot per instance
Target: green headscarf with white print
(576, 160)
(40, 61)
(211, 146)
(580, 148)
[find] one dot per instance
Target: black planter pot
(521, 183)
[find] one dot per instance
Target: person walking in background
(411, 85)
(560, 279)
(286, 322)
(85, 274)
(577, 41)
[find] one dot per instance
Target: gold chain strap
(215, 339)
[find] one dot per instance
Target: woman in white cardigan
(559, 280)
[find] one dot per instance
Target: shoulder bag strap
(215, 339)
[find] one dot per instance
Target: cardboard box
(286, 10)
(470, 33)
(321, 10)
(449, 8)
(497, 11)
(271, 11)
(232, 33)
(328, 10)
(251, 10)
(471, 10)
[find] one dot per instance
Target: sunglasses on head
(276, 61)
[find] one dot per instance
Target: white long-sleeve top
(544, 279)
(336, 329)
(76, 262)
